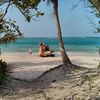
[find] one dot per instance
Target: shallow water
(72, 44)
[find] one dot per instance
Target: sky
(74, 23)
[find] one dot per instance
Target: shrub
(3, 66)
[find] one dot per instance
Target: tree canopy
(9, 27)
(95, 5)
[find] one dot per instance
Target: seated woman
(44, 51)
(41, 50)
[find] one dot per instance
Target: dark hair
(41, 43)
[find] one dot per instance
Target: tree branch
(6, 10)
(91, 21)
(76, 4)
(3, 2)
(24, 13)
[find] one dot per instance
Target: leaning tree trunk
(65, 57)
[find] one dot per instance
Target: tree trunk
(65, 57)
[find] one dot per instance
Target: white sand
(25, 66)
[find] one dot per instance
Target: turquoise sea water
(72, 44)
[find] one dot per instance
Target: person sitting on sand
(44, 51)
(48, 49)
(41, 49)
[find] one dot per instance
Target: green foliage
(39, 14)
(24, 4)
(3, 66)
(95, 5)
(26, 7)
(8, 29)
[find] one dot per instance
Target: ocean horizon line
(62, 36)
(74, 44)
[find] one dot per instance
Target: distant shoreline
(56, 53)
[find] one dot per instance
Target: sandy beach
(29, 67)
(28, 83)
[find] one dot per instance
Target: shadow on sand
(15, 89)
